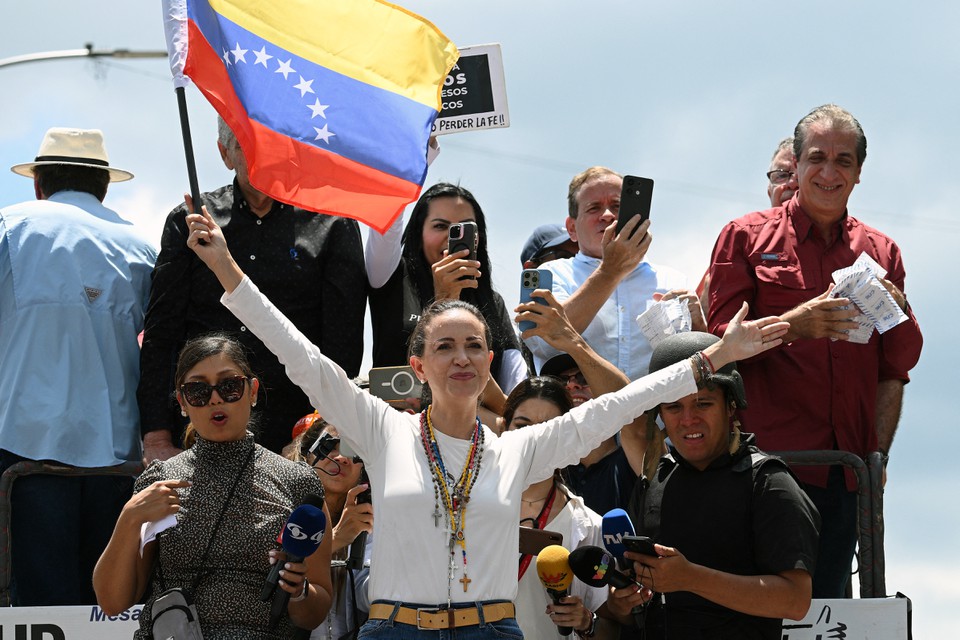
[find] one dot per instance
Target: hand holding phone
(636, 195)
(460, 236)
(640, 544)
(530, 281)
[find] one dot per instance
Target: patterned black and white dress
(228, 594)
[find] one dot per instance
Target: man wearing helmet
(736, 536)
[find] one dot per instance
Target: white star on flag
(304, 86)
(285, 68)
(226, 57)
(238, 54)
(318, 109)
(323, 134)
(262, 56)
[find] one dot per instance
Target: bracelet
(303, 594)
(700, 365)
(592, 630)
(709, 362)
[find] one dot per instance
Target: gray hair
(785, 144)
(225, 135)
(838, 118)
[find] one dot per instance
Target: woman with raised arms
(447, 491)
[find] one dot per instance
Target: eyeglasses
(572, 378)
(197, 394)
(779, 176)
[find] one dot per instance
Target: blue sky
(693, 94)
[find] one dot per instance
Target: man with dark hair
(818, 390)
(74, 281)
(309, 264)
(736, 537)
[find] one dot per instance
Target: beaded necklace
(455, 497)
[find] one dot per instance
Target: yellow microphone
(553, 567)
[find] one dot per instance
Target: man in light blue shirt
(608, 284)
(74, 284)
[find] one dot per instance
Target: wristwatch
(589, 633)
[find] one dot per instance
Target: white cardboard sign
(474, 94)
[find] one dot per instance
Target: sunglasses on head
(197, 394)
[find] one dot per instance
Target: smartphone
(530, 281)
(394, 384)
(533, 541)
(640, 544)
(463, 235)
(635, 198)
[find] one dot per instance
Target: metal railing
(29, 468)
(869, 476)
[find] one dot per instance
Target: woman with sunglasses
(447, 489)
(549, 504)
(230, 498)
(346, 494)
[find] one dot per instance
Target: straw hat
(78, 147)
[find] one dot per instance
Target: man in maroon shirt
(817, 391)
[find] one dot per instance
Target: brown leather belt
(433, 618)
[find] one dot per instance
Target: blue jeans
(59, 526)
(838, 534)
(506, 629)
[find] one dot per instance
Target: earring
(253, 404)
(183, 412)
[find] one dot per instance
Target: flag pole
(188, 147)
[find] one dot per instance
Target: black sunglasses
(197, 394)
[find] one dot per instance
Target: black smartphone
(460, 236)
(635, 198)
(530, 281)
(533, 541)
(640, 544)
(463, 235)
(365, 496)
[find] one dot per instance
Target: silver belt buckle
(421, 610)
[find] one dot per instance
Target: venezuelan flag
(331, 100)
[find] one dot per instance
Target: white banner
(866, 619)
(67, 623)
(474, 95)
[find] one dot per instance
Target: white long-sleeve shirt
(410, 557)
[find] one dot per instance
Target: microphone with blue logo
(300, 538)
(616, 524)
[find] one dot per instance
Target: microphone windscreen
(595, 567)
(616, 524)
(553, 568)
(303, 531)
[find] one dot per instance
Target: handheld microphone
(596, 568)
(301, 537)
(553, 567)
(616, 524)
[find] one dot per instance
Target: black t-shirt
(745, 514)
(604, 485)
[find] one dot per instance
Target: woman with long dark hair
(549, 504)
(231, 497)
(424, 274)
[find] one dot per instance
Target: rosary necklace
(455, 496)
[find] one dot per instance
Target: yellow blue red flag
(331, 100)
